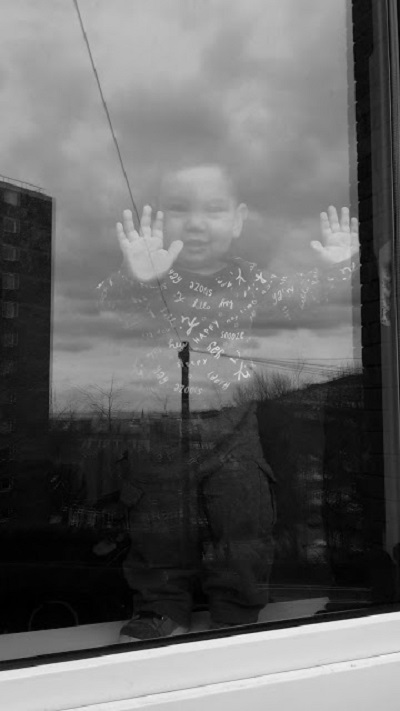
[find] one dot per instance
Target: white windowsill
(259, 669)
(34, 644)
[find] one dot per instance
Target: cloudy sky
(260, 84)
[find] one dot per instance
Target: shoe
(148, 625)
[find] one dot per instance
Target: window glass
(11, 197)
(199, 420)
(7, 367)
(10, 281)
(10, 339)
(9, 253)
(10, 224)
(9, 309)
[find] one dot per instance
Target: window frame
(16, 195)
(179, 672)
(9, 339)
(7, 367)
(10, 281)
(9, 309)
(16, 225)
(10, 253)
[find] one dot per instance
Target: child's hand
(339, 239)
(144, 256)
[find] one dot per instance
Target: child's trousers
(213, 527)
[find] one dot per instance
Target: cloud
(74, 347)
(261, 86)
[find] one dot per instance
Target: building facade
(26, 218)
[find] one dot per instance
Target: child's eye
(216, 207)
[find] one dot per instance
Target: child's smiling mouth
(195, 244)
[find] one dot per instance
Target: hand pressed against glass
(144, 255)
(339, 239)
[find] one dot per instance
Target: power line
(85, 37)
(289, 363)
(103, 100)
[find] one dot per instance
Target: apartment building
(26, 218)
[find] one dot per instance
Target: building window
(10, 281)
(7, 367)
(10, 253)
(5, 454)
(11, 197)
(7, 397)
(6, 426)
(10, 309)
(5, 513)
(11, 225)
(10, 340)
(5, 484)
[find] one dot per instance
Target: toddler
(204, 515)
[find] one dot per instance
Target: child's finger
(175, 248)
(317, 246)
(158, 225)
(333, 219)
(345, 219)
(325, 226)
(123, 241)
(129, 227)
(145, 223)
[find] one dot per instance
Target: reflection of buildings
(312, 439)
(25, 267)
(97, 448)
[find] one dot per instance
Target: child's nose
(195, 222)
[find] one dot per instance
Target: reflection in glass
(186, 402)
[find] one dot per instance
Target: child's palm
(144, 256)
(340, 239)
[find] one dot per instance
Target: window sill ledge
(261, 662)
(68, 639)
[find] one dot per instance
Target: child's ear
(240, 216)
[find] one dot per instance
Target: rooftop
(20, 184)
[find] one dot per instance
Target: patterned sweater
(213, 313)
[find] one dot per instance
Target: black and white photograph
(199, 326)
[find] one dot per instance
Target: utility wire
(290, 364)
(85, 37)
(103, 100)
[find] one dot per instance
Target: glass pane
(200, 427)
(10, 224)
(11, 197)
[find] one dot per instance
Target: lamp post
(184, 357)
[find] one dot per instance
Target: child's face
(201, 210)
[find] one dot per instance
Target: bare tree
(103, 402)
